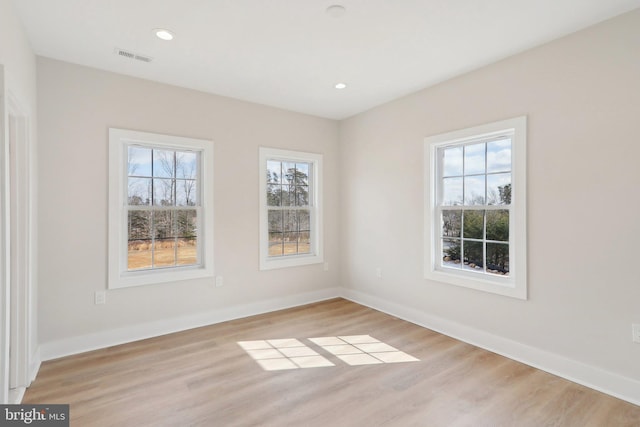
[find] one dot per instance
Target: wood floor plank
(203, 377)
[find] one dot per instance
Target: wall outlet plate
(100, 297)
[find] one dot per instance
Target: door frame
(16, 249)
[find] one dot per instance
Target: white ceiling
(291, 53)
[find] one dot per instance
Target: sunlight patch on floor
(362, 350)
(277, 355)
(354, 350)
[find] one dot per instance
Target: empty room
(320, 213)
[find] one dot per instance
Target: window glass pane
(186, 164)
(302, 173)
(187, 252)
(163, 164)
(163, 192)
(451, 253)
(304, 243)
(452, 161)
(290, 243)
(186, 230)
(139, 161)
(186, 192)
(275, 244)
(499, 189)
(164, 230)
(139, 255)
(474, 159)
(304, 220)
(290, 219)
(288, 195)
(474, 190)
(163, 224)
(452, 191)
(498, 258)
(274, 194)
(275, 220)
(498, 225)
(164, 252)
(302, 195)
(139, 225)
(289, 172)
(473, 224)
(186, 224)
(473, 255)
(274, 173)
(499, 155)
(451, 223)
(139, 240)
(139, 190)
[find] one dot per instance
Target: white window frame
(119, 276)
(315, 201)
(515, 283)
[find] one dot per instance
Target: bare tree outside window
(162, 208)
(288, 208)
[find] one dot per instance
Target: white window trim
(317, 252)
(514, 285)
(119, 277)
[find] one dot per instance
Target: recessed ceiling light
(163, 34)
(336, 11)
(340, 85)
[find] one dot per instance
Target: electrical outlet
(100, 297)
(378, 272)
(219, 282)
(635, 328)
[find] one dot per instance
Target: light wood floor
(202, 377)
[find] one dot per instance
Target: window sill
(140, 278)
(500, 285)
(290, 261)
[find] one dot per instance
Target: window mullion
(464, 189)
(484, 239)
(152, 229)
(153, 181)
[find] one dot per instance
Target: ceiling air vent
(132, 55)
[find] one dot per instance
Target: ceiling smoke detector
(336, 11)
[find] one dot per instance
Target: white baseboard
(607, 382)
(80, 344)
(16, 395)
(34, 365)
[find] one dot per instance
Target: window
(160, 208)
(475, 225)
(290, 208)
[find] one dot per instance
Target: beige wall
(580, 94)
(582, 98)
(77, 105)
